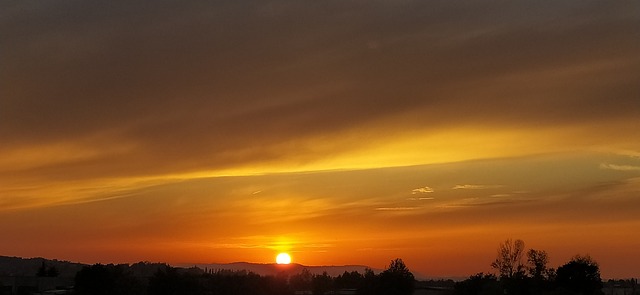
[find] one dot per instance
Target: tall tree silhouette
(537, 260)
(541, 276)
(348, 280)
(42, 271)
(322, 283)
(508, 263)
(369, 283)
(397, 279)
(301, 281)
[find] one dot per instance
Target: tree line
(517, 272)
(111, 279)
(521, 272)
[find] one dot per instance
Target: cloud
(629, 153)
(397, 208)
(483, 202)
(619, 167)
(476, 186)
(500, 195)
(421, 199)
(422, 190)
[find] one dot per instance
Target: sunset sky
(341, 132)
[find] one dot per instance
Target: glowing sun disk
(283, 258)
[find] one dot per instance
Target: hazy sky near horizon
(344, 132)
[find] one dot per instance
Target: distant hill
(16, 266)
(275, 269)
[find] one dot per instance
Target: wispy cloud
(629, 153)
(422, 190)
(397, 208)
(619, 167)
(481, 202)
(477, 186)
(421, 199)
(500, 195)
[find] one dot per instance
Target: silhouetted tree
(321, 283)
(634, 284)
(169, 281)
(301, 281)
(369, 283)
(274, 285)
(109, 279)
(518, 284)
(509, 260)
(396, 279)
(42, 271)
(227, 282)
(52, 272)
(541, 277)
(479, 284)
(348, 280)
(581, 275)
(537, 260)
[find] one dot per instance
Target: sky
(341, 132)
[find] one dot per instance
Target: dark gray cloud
(192, 85)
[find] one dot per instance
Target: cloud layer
(137, 90)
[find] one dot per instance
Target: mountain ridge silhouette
(19, 266)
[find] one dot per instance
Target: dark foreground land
(40, 276)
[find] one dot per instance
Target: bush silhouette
(581, 275)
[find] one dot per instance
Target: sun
(283, 258)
